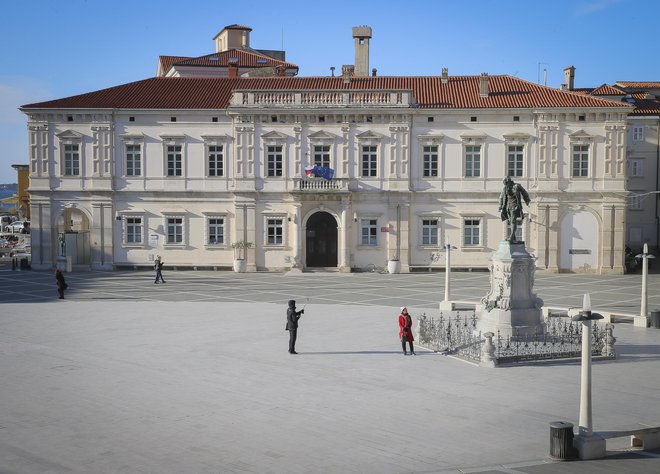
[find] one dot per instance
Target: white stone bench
(594, 447)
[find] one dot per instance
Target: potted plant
(393, 264)
(239, 247)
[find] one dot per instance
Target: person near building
(511, 208)
(292, 317)
(61, 283)
(158, 266)
(405, 331)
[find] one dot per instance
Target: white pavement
(99, 387)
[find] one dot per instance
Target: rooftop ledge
(321, 98)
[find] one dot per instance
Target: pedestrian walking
(292, 317)
(405, 331)
(158, 266)
(61, 283)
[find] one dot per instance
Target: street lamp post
(446, 303)
(643, 312)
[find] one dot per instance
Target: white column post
(643, 311)
(447, 303)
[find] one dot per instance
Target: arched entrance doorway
(72, 234)
(321, 241)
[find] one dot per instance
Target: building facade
(185, 167)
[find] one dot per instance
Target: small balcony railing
(320, 185)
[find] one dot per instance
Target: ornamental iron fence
(561, 338)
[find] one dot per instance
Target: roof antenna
(282, 38)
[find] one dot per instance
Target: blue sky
(58, 48)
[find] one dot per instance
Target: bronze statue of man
(511, 209)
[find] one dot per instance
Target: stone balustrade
(315, 185)
(325, 98)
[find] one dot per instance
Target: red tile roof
(607, 90)
(461, 92)
(639, 84)
(237, 27)
(166, 62)
(245, 59)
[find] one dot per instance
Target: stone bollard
(488, 352)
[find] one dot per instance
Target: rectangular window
(635, 168)
(175, 230)
(322, 155)
(133, 230)
(471, 228)
(472, 161)
(515, 160)
(430, 157)
(369, 161)
(133, 160)
(369, 231)
(174, 160)
(638, 133)
(429, 231)
(72, 160)
(274, 231)
(216, 160)
(580, 161)
(216, 230)
(274, 160)
(635, 202)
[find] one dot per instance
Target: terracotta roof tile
(245, 59)
(461, 92)
(607, 90)
(639, 84)
(166, 62)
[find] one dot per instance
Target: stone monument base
(511, 307)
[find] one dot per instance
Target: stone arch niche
(579, 242)
(321, 242)
(73, 225)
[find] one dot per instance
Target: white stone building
(184, 167)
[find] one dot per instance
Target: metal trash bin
(655, 319)
(561, 440)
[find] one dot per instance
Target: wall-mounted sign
(579, 252)
(153, 240)
(384, 229)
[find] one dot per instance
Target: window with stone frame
(133, 230)
(174, 229)
(71, 159)
(321, 155)
(635, 168)
(369, 232)
(215, 230)
(133, 160)
(369, 161)
(274, 160)
(215, 160)
(174, 160)
(471, 232)
(580, 161)
(515, 160)
(275, 231)
(635, 202)
(430, 231)
(430, 161)
(472, 161)
(638, 132)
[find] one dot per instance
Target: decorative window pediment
(274, 136)
(516, 138)
(132, 139)
(581, 137)
(430, 139)
(321, 136)
(369, 135)
(215, 139)
(472, 138)
(70, 136)
(168, 139)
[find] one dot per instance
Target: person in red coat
(405, 331)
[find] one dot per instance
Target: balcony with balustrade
(320, 185)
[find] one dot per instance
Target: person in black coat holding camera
(292, 317)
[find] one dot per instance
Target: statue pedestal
(510, 306)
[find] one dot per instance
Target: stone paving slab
(159, 386)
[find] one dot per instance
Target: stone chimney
(569, 77)
(347, 71)
(444, 79)
(373, 72)
(232, 69)
(361, 35)
(483, 85)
